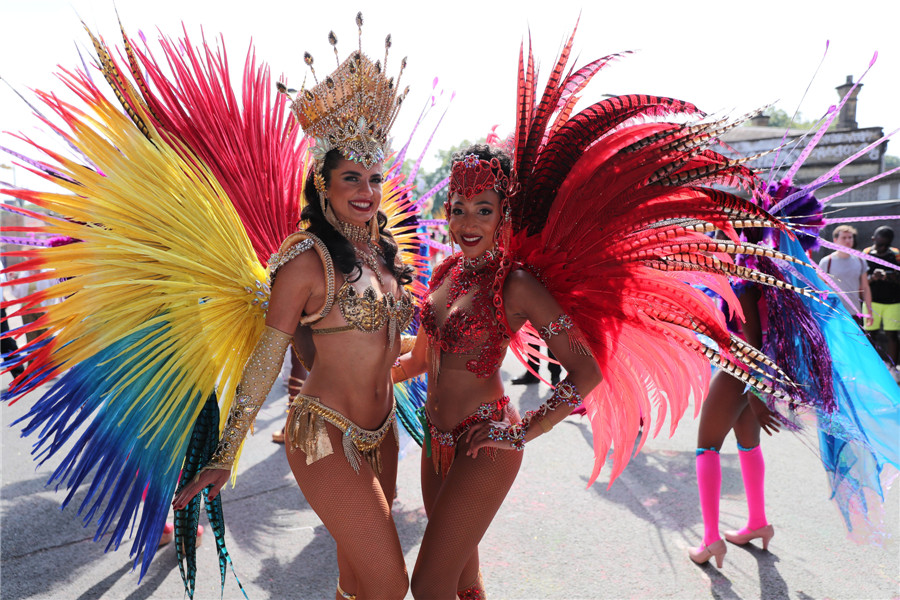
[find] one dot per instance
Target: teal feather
(201, 447)
(410, 397)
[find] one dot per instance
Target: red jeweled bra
(474, 330)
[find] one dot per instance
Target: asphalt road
(553, 537)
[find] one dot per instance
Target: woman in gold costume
(348, 293)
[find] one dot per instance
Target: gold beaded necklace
(356, 234)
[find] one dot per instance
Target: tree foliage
(426, 180)
(781, 119)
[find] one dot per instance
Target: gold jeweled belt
(306, 430)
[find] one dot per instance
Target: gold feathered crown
(352, 109)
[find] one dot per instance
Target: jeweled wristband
(565, 393)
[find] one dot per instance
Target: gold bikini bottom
(305, 430)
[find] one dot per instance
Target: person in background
(529, 377)
(885, 286)
(850, 273)
(836, 373)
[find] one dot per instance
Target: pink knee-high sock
(709, 484)
(753, 472)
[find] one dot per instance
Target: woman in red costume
(592, 240)
(465, 475)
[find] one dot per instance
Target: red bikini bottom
(441, 445)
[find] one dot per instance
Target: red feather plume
(612, 212)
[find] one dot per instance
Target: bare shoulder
(521, 289)
(299, 287)
(520, 280)
(305, 270)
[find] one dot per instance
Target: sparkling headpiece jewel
(352, 109)
(472, 175)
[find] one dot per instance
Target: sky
(726, 57)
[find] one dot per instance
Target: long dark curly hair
(341, 250)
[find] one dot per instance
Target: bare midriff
(458, 392)
(351, 370)
(351, 374)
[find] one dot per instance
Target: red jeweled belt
(443, 444)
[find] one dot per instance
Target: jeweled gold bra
(367, 312)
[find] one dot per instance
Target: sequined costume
(608, 208)
(366, 313)
(179, 195)
(441, 445)
(843, 382)
(468, 331)
(603, 218)
(305, 431)
(846, 385)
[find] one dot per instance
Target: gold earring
(374, 233)
(319, 182)
(329, 213)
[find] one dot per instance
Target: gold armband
(259, 374)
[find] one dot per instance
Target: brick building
(843, 139)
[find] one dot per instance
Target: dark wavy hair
(341, 250)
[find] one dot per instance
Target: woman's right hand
(479, 437)
(205, 478)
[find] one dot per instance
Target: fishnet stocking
(473, 592)
(460, 508)
(356, 510)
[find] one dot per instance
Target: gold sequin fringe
(306, 431)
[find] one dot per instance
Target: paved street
(553, 538)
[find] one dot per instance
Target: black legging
(553, 368)
(7, 344)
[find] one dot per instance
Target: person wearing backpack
(850, 274)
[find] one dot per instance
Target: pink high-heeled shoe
(702, 554)
(740, 539)
(168, 534)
